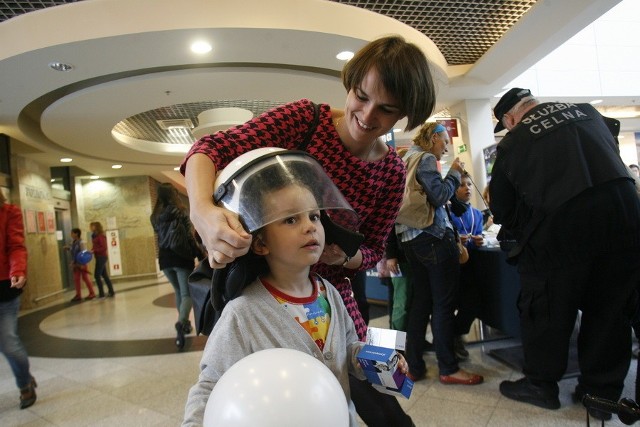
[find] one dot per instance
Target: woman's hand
(222, 234)
(457, 165)
(333, 255)
(18, 282)
(393, 266)
(402, 364)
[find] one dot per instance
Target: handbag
(179, 238)
(463, 256)
(415, 211)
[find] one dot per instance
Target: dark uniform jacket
(560, 188)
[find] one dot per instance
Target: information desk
(499, 285)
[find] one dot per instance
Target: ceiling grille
(463, 30)
(143, 126)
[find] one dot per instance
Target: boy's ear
(258, 246)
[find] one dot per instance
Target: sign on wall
(113, 245)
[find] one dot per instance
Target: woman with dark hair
(387, 80)
(176, 266)
(13, 277)
(99, 250)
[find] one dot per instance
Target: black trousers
(604, 288)
(377, 409)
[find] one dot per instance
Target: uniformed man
(561, 189)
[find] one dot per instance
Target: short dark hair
(76, 231)
(404, 71)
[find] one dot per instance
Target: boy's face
(298, 236)
(463, 193)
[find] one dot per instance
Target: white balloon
(277, 387)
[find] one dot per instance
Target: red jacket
(13, 252)
(99, 242)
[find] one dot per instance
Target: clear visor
(279, 185)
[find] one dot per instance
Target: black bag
(179, 238)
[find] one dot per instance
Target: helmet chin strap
(349, 241)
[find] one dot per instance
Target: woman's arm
(439, 190)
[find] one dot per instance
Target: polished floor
(113, 362)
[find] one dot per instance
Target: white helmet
(244, 184)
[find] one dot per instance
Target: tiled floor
(113, 362)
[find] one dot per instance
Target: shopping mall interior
(101, 99)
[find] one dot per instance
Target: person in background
(99, 250)
(387, 80)
(469, 226)
(400, 276)
(13, 277)
(577, 234)
(175, 266)
(434, 259)
(80, 271)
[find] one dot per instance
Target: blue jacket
(470, 222)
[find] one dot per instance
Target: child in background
(80, 271)
(285, 306)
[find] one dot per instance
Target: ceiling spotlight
(66, 159)
(116, 166)
(177, 168)
(94, 177)
(60, 66)
(595, 101)
(201, 47)
(345, 55)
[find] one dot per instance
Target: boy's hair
(77, 231)
(404, 72)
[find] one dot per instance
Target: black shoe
(579, 394)
(459, 350)
(180, 338)
(186, 327)
(524, 391)
(28, 394)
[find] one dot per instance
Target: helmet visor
(256, 190)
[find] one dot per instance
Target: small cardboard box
(379, 361)
(380, 366)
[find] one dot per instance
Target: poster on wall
(113, 245)
(30, 218)
(42, 226)
(51, 222)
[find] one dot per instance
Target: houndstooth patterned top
(374, 189)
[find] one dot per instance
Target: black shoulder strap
(312, 128)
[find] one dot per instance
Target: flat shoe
(472, 380)
(76, 299)
(90, 297)
(28, 395)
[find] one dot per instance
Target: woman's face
(440, 142)
(370, 111)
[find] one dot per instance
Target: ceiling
(132, 66)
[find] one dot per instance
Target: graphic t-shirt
(313, 313)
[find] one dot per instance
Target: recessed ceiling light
(595, 101)
(345, 55)
(177, 168)
(66, 159)
(60, 66)
(201, 47)
(94, 177)
(116, 166)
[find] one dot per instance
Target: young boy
(286, 307)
